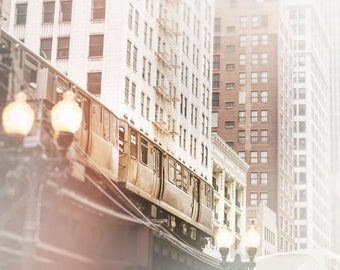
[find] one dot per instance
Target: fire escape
(166, 81)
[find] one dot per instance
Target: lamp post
(224, 241)
(35, 164)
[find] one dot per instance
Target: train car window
(101, 115)
(185, 180)
(179, 175)
(30, 69)
(171, 170)
(144, 151)
(196, 183)
(133, 144)
(208, 195)
(121, 143)
(106, 127)
(86, 113)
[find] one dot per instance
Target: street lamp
(18, 120)
(66, 116)
(224, 240)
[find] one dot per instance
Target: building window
(229, 86)
(242, 155)
(254, 97)
(217, 43)
(253, 136)
(302, 77)
(242, 78)
(229, 124)
(254, 116)
(243, 41)
(216, 81)
(215, 100)
(255, 21)
(254, 40)
(133, 95)
(98, 9)
(243, 22)
(48, 12)
(230, 66)
(241, 136)
(127, 90)
(242, 116)
(128, 52)
(264, 135)
(134, 58)
(147, 114)
(253, 198)
(216, 62)
(264, 156)
(264, 96)
(46, 48)
(229, 105)
(264, 58)
(253, 178)
(217, 24)
(149, 72)
(264, 116)
(20, 14)
(65, 13)
(243, 59)
(96, 45)
(254, 78)
(253, 157)
(264, 77)
(230, 48)
(264, 178)
(130, 16)
(136, 22)
(254, 59)
(63, 48)
(264, 39)
(230, 29)
(94, 80)
(264, 198)
(142, 100)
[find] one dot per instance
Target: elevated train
(138, 165)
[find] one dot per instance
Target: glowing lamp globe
(18, 116)
(224, 237)
(252, 238)
(66, 115)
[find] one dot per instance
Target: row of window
(256, 59)
(256, 198)
(254, 156)
(258, 177)
(256, 22)
(254, 118)
(255, 136)
(96, 43)
(65, 11)
(256, 40)
(256, 77)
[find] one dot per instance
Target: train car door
(157, 172)
(83, 133)
(195, 198)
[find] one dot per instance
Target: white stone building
(312, 123)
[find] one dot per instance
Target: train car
(166, 188)
(147, 170)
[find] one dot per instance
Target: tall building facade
(252, 103)
(149, 61)
(313, 216)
